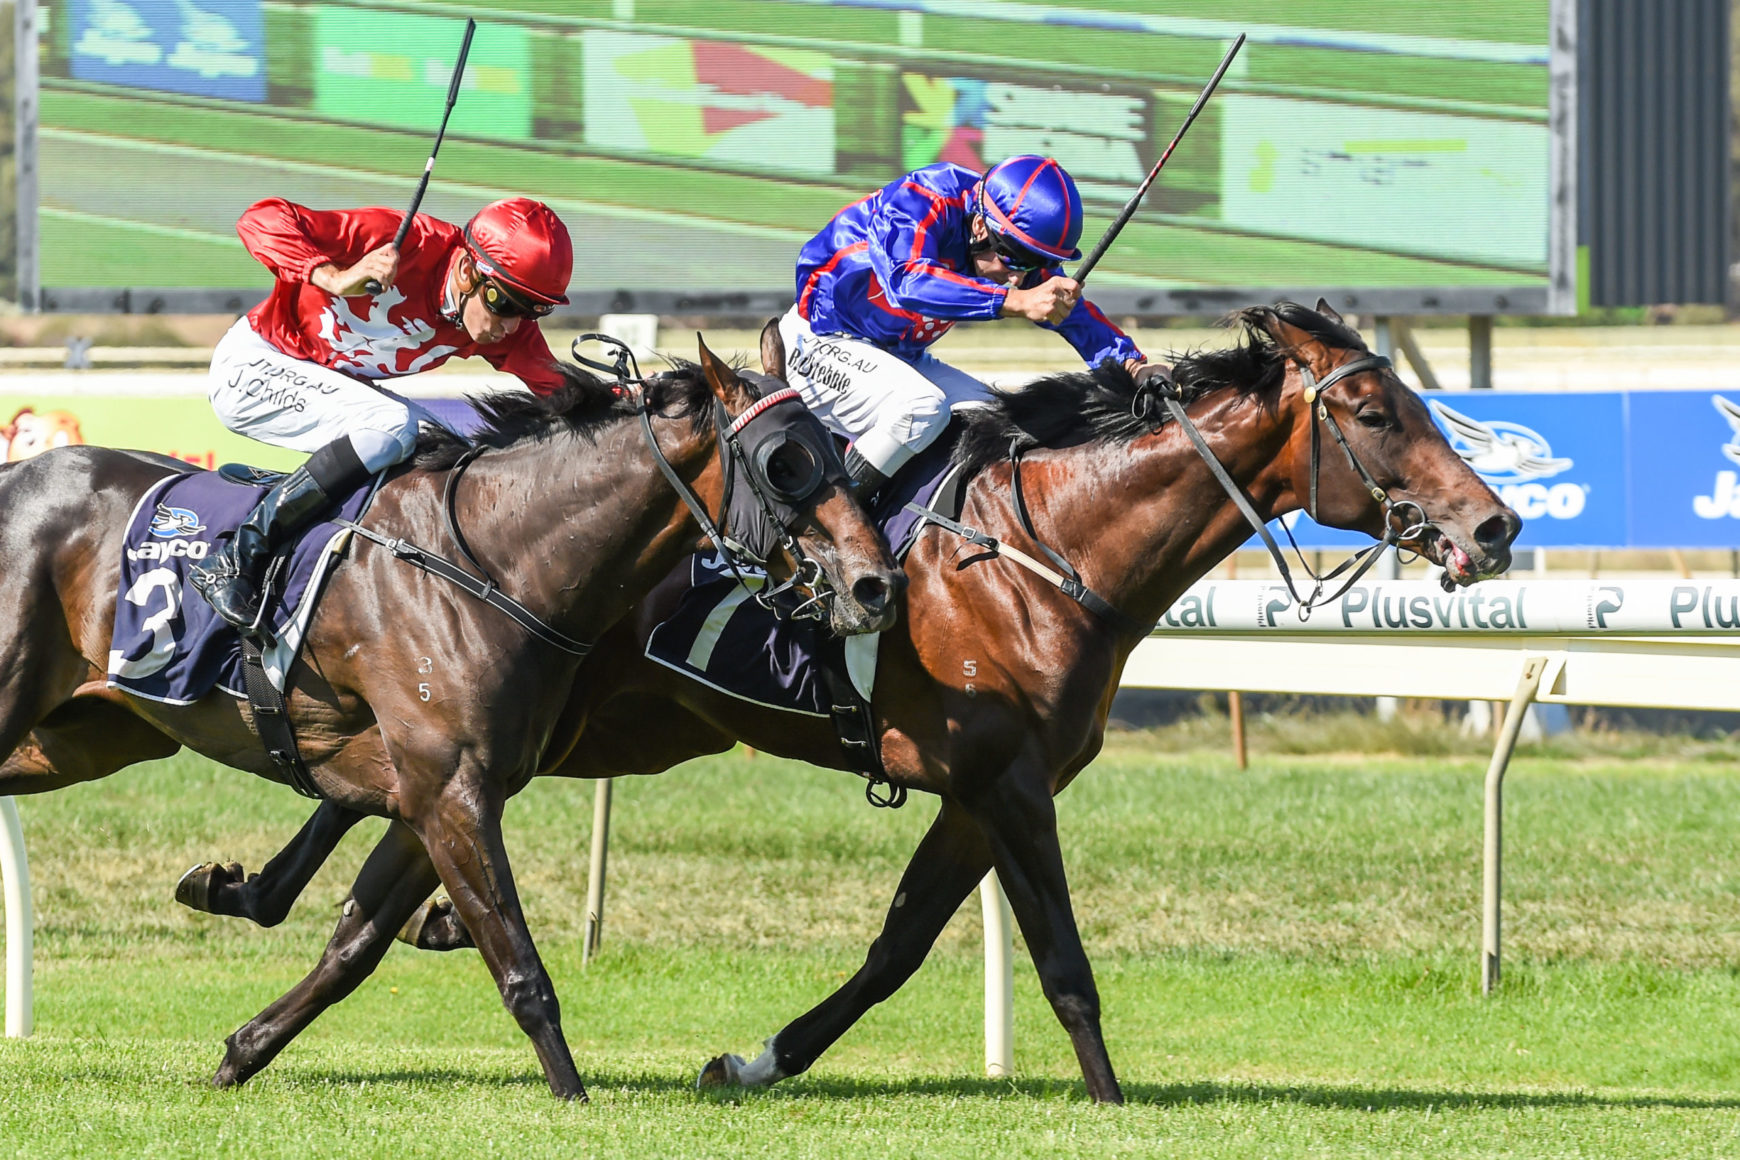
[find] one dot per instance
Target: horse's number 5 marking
(970, 669)
(423, 690)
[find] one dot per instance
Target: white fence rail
(20, 922)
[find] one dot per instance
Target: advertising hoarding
(394, 69)
(1404, 166)
(212, 48)
(729, 103)
(1622, 469)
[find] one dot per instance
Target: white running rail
(20, 922)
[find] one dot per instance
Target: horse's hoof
(195, 888)
(434, 927)
(722, 1071)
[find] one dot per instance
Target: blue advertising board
(1684, 458)
(205, 48)
(1635, 469)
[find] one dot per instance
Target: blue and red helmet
(1033, 202)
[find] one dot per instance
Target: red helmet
(522, 244)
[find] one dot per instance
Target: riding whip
(373, 286)
(1105, 241)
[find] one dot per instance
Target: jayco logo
(169, 522)
(1512, 458)
(1723, 502)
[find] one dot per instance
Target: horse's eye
(1373, 418)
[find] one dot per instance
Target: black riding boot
(866, 479)
(229, 579)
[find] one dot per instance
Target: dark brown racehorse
(992, 692)
(412, 700)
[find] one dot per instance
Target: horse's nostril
(1497, 531)
(871, 593)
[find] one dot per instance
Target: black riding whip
(374, 287)
(1105, 241)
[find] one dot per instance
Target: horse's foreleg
(266, 897)
(396, 877)
(462, 834)
(947, 865)
(1020, 821)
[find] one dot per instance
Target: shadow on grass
(1341, 1097)
(1346, 1098)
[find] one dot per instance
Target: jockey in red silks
(301, 370)
(892, 273)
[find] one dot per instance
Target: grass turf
(1287, 958)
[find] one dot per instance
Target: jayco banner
(1645, 469)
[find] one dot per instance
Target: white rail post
(595, 871)
(1492, 862)
(999, 979)
(20, 922)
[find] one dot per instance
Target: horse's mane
(581, 406)
(1099, 405)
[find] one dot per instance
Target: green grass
(1287, 957)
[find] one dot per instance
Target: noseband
(784, 456)
(1394, 511)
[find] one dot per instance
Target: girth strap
(854, 724)
(272, 722)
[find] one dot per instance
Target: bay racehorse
(993, 690)
(413, 700)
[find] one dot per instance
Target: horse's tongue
(1461, 559)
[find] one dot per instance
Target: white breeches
(890, 408)
(259, 391)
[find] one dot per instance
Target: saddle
(171, 648)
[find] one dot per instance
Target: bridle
(1394, 511)
(783, 455)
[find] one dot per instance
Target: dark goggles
(1020, 258)
(503, 304)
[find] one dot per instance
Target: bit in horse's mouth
(1458, 565)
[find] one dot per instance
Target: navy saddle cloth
(168, 644)
(719, 635)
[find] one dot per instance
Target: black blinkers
(787, 457)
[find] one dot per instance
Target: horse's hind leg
(265, 898)
(949, 863)
(396, 877)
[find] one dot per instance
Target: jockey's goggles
(1014, 255)
(1020, 258)
(503, 304)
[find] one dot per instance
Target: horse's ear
(1328, 311)
(1297, 343)
(724, 381)
(772, 350)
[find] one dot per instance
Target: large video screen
(1395, 151)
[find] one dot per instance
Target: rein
(482, 586)
(806, 573)
(1069, 581)
(1365, 557)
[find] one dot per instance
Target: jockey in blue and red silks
(894, 272)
